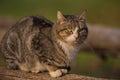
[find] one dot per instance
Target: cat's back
(28, 25)
(31, 23)
(23, 31)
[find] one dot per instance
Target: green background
(99, 11)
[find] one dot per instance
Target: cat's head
(71, 29)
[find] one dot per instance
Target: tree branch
(103, 40)
(6, 74)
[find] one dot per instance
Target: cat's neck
(70, 51)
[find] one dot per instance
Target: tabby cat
(35, 44)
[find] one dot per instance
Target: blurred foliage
(89, 64)
(99, 11)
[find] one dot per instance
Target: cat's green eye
(66, 31)
(69, 31)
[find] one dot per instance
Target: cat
(36, 44)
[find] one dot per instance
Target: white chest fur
(70, 50)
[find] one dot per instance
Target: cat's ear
(83, 15)
(60, 18)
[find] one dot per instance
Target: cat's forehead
(71, 18)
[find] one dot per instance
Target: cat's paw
(56, 73)
(64, 71)
(35, 70)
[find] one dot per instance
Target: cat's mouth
(74, 43)
(78, 41)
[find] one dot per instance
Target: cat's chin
(74, 43)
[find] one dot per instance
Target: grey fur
(34, 39)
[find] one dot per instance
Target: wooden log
(104, 37)
(103, 40)
(6, 74)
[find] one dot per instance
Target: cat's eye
(69, 30)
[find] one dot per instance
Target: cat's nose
(75, 36)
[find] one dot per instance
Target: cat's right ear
(83, 15)
(60, 18)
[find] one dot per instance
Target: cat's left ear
(83, 15)
(60, 18)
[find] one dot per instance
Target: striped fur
(36, 44)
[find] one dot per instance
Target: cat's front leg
(54, 71)
(64, 71)
(58, 72)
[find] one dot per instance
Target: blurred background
(100, 54)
